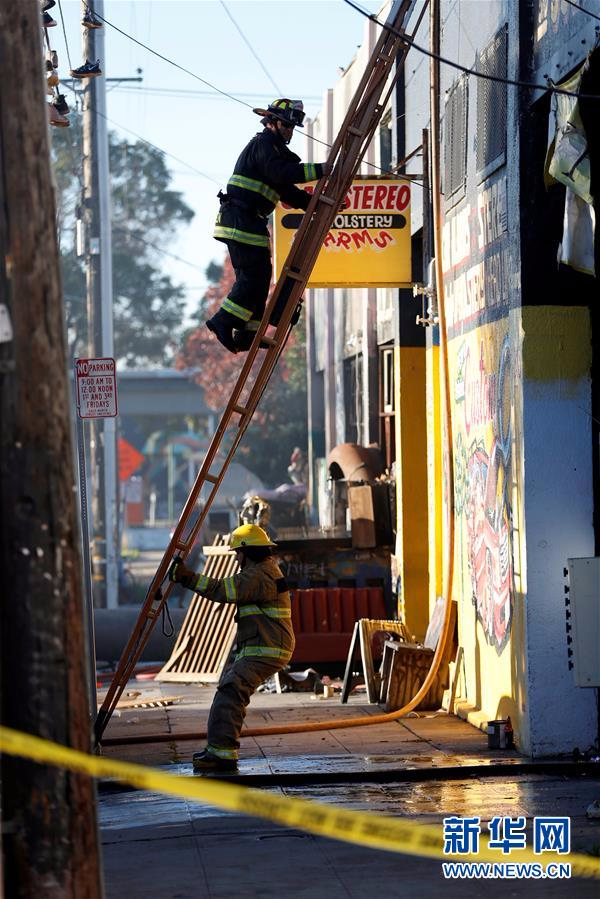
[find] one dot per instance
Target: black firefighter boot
(206, 761)
(222, 325)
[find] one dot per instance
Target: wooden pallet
(406, 665)
(208, 629)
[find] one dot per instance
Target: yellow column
(412, 490)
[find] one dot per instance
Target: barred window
(455, 140)
(491, 106)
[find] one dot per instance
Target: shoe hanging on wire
(90, 21)
(61, 105)
(87, 70)
(48, 21)
(56, 118)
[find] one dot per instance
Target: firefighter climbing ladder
(356, 132)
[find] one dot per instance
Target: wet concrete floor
(158, 847)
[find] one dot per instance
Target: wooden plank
(351, 663)
(366, 651)
(216, 551)
(454, 669)
(156, 702)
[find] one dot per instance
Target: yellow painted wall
(434, 474)
(412, 491)
(557, 344)
(486, 473)
(550, 345)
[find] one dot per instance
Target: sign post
(96, 397)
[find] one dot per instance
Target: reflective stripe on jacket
(264, 610)
(265, 173)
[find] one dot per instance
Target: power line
(62, 19)
(172, 62)
(251, 48)
(456, 65)
(198, 94)
(153, 246)
(193, 74)
(160, 150)
(232, 96)
(582, 9)
(150, 144)
(76, 164)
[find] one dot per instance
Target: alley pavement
(421, 769)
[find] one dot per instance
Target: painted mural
(482, 393)
(476, 263)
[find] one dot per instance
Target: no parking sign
(96, 381)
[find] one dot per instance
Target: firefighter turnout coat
(264, 610)
(265, 173)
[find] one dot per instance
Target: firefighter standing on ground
(266, 172)
(264, 642)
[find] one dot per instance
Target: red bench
(324, 617)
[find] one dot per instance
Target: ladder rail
(362, 117)
(158, 592)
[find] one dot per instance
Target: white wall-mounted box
(582, 610)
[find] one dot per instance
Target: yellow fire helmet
(249, 535)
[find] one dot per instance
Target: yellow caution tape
(364, 829)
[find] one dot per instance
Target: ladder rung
(269, 340)
(211, 479)
(295, 275)
(356, 131)
(327, 200)
(181, 547)
(241, 410)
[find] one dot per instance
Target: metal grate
(208, 630)
(491, 106)
(455, 139)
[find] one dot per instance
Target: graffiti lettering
(492, 213)
(469, 233)
(456, 239)
(482, 286)
(479, 393)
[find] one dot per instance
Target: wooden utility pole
(50, 842)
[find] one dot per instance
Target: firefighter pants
(248, 296)
(237, 684)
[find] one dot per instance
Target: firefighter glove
(179, 574)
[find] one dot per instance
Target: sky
(302, 45)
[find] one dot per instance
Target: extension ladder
(356, 132)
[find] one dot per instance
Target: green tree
(148, 305)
